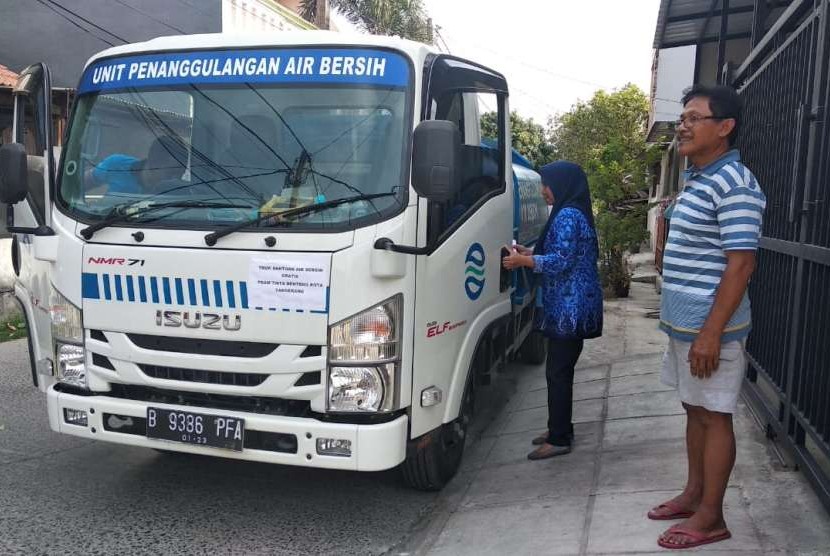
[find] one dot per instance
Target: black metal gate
(786, 143)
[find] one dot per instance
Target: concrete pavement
(629, 455)
(63, 495)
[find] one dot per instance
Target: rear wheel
(534, 349)
(435, 457)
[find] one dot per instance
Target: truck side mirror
(436, 155)
(13, 173)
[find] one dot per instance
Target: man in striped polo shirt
(709, 258)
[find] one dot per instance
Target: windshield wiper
(212, 237)
(122, 213)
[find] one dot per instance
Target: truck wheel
(436, 456)
(534, 350)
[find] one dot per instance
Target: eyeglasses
(694, 119)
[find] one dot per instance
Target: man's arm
(704, 354)
(739, 215)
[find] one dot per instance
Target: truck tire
(534, 350)
(434, 458)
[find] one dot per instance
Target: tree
(529, 138)
(402, 18)
(606, 136)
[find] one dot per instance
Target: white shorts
(720, 391)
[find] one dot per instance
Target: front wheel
(435, 457)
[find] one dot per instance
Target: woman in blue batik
(566, 257)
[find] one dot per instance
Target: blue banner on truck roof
(334, 66)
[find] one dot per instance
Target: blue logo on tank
(474, 273)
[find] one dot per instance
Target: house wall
(70, 45)
(674, 72)
(260, 16)
(671, 181)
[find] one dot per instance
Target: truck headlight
(364, 351)
(355, 389)
(71, 368)
(68, 336)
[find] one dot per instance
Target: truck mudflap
(268, 438)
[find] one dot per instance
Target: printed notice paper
(292, 282)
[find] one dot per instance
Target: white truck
(282, 249)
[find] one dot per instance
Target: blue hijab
(569, 185)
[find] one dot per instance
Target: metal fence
(786, 143)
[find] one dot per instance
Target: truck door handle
(504, 274)
(386, 244)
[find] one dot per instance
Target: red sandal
(698, 538)
(676, 512)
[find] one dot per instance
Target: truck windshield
(255, 147)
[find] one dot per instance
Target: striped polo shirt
(720, 209)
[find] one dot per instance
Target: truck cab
(283, 249)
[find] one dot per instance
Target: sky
(553, 52)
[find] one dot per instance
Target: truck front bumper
(374, 447)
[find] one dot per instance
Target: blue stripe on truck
(89, 286)
(110, 288)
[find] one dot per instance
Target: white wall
(675, 72)
(6, 272)
(7, 305)
(254, 16)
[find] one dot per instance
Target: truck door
(460, 286)
(29, 221)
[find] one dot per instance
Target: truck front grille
(250, 404)
(204, 377)
(202, 347)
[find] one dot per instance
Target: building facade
(80, 28)
(261, 16)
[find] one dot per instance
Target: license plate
(217, 431)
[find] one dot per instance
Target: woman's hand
(521, 249)
(517, 260)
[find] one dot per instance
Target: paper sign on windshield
(290, 282)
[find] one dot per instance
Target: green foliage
(606, 136)
(401, 18)
(13, 329)
(529, 138)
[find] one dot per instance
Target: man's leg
(718, 461)
(674, 363)
(689, 499)
(695, 446)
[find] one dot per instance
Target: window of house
(656, 171)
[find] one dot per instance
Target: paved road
(60, 495)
